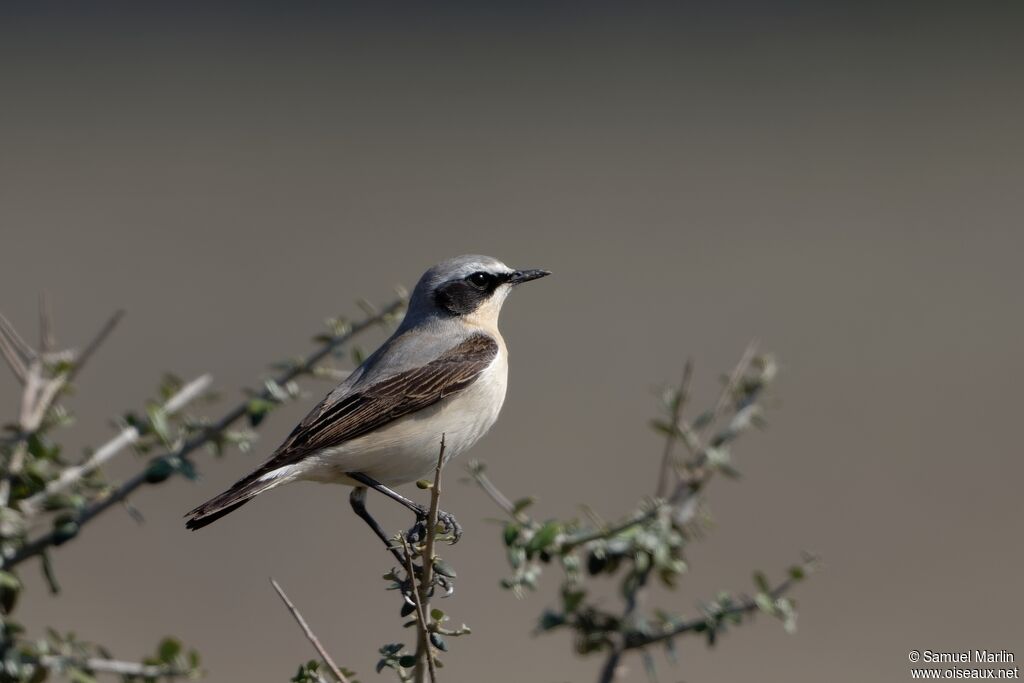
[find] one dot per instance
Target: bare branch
(310, 636)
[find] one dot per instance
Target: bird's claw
(449, 527)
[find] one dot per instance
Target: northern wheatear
(443, 372)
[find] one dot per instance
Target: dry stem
(424, 654)
(310, 636)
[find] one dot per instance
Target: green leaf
(443, 568)
(544, 537)
(49, 574)
(160, 425)
(572, 599)
(436, 614)
(65, 528)
(765, 603)
(79, 676)
(522, 504)
(407, 661)
(511, 533)
(664, 428)
(10, 588)
(257, 409)
(761, 582)
(9, 580)
(159, 470)
(168, 650)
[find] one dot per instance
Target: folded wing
(338, 419)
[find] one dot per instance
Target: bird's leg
(418, 531)
(358, 501)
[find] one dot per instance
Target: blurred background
(841, 181)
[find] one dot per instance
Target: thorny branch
(174, 459)
(648, 543)
(637, 640)
(35, 478)
(41, 387)
(102, 455)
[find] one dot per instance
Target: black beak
(521, 276)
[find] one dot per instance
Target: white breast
(407, 449)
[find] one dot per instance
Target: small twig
(732, 382)
(107, 451)
(670, 440)
(424, 654)
(499, 498)
(97, 341)
(47, 343)
(310, 636)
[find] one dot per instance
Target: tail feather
(235, 497)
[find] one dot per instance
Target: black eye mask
(460, 297)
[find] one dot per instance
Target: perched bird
(443, 372)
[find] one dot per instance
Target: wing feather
(332, 423)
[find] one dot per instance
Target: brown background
(844, 184)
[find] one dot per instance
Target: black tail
(229, 501)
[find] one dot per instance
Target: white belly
(407, 449)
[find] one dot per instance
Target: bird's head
(472, 287)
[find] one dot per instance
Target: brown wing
(372, 407)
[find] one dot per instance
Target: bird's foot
(450, 527)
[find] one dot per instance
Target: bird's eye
(480, 279)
